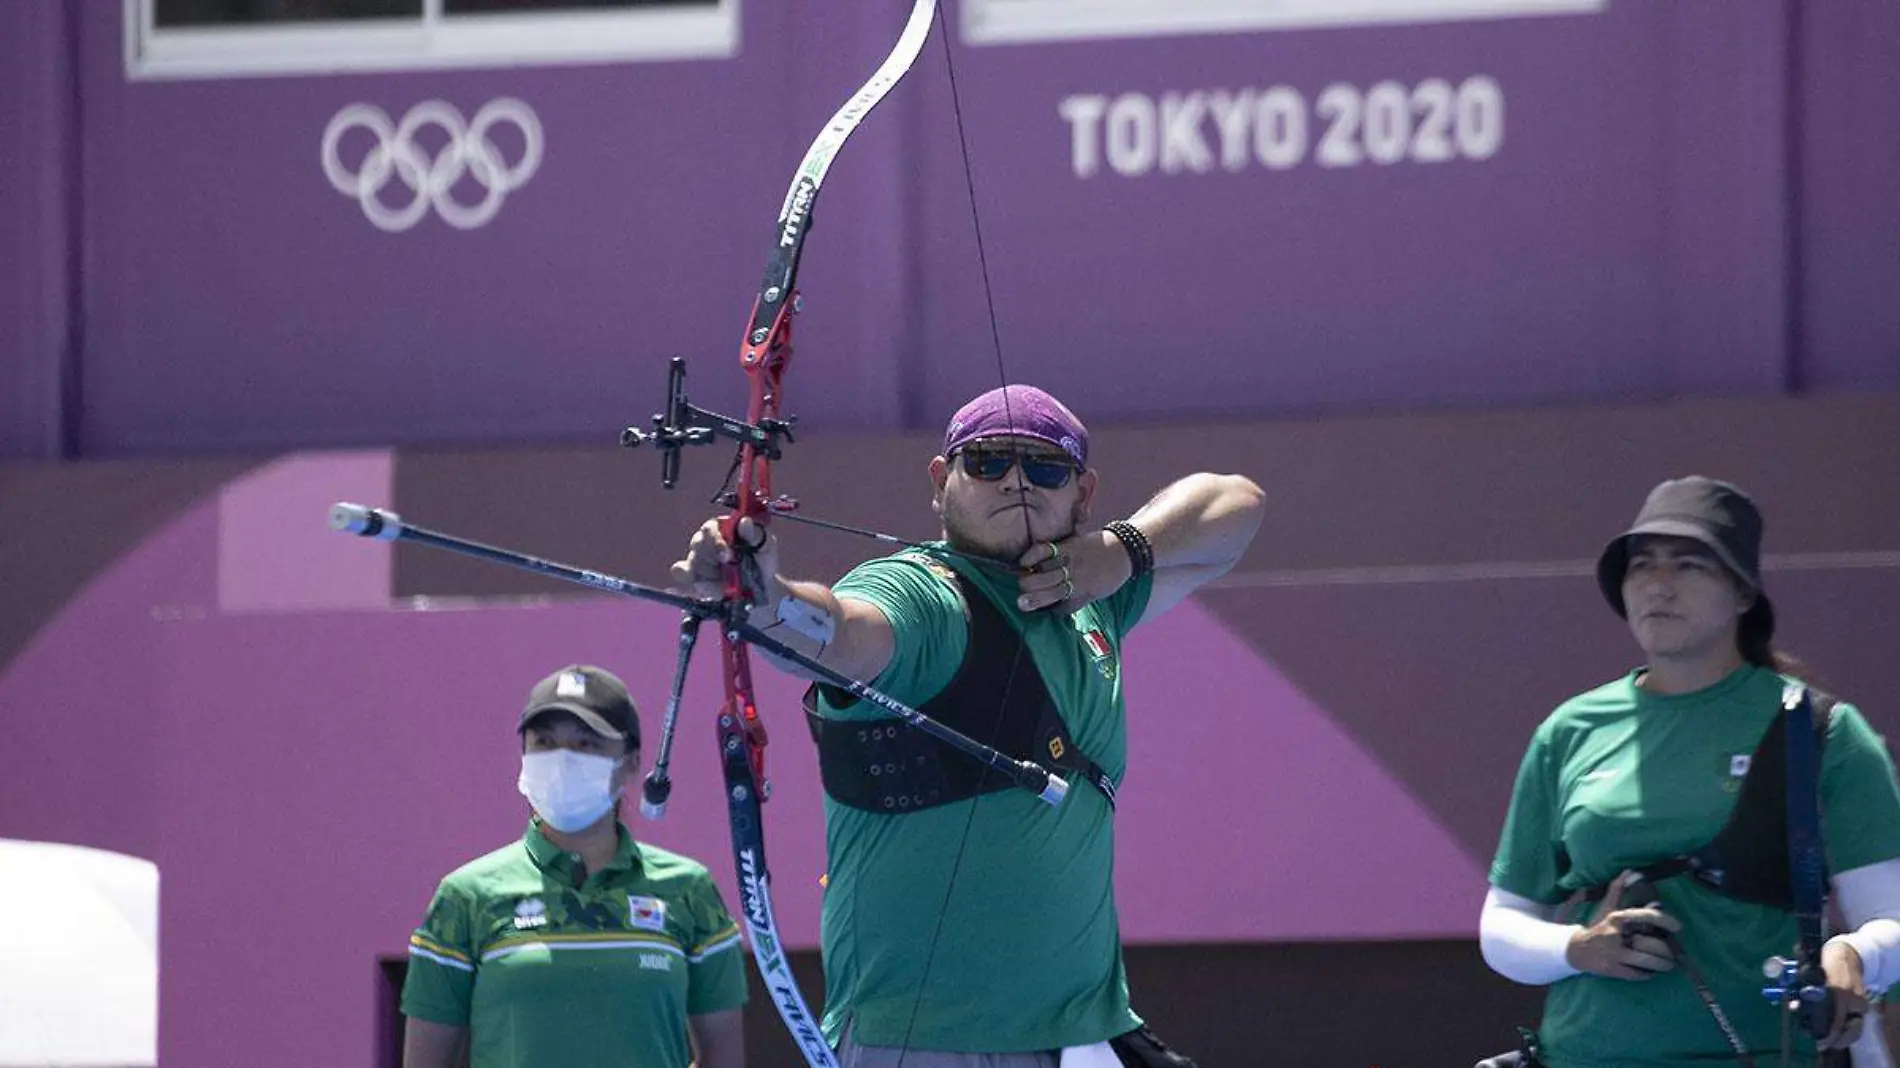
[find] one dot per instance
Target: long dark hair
(1756, 644)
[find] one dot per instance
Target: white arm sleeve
(1520, 941)
(1870, 900)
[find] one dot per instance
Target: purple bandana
(1028, 412)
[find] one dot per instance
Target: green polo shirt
(1619, 778)
(546, 974)
(985, 925)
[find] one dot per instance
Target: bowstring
(1029, 536)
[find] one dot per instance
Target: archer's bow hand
(701, 573)
(1844, 976)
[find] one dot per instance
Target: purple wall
(1593, 257)
(37, 116)
(1850, 212)
(1631, 237)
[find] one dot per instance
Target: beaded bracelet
(1141, 555)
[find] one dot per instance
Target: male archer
(966, 923)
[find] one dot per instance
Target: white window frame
(1017, 21)
(433, 41)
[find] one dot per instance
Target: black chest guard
(997, 697)
(1748, 859)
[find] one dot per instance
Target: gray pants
(852, 1055)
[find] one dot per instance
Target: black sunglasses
(1043, 472)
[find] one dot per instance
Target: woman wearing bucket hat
(1631, 872)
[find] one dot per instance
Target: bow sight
(683, 424)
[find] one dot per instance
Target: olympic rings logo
(431, 179)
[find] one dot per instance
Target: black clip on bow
(1638, 893)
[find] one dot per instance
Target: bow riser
(740, 715)
(764, 365)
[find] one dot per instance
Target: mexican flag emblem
(1101, 652)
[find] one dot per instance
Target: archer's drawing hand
(1068, 574)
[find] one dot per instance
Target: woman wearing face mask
(1643, 776)
(576, 946)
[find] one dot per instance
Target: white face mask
(570, 790)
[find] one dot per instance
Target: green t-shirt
(1619, 778)
(547, 975)
(985, 925)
